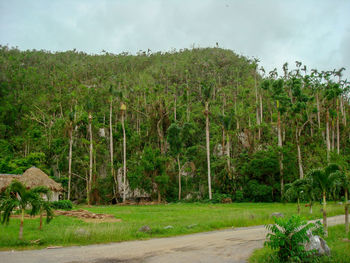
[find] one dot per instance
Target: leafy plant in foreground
(288, 236)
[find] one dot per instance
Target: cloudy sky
(316, 32)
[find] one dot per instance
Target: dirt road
(230, 245)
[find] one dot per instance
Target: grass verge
(340, 249)
(185, 218)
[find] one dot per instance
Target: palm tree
(18, 196)
(207, 90)
(309, 191)
(40, 205)
(123, 110)
(325, 179)
(295, 190)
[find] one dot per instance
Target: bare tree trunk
(111, 148)
(70, 160)
(223, 141)
(325, 214)
(261, 109)
(20, 236)
(257, 108)
(188, 101)
(41, 220)
(333, 136)
(179, 169)
(124, 158)
(342, 109)
(301, 172)
(338, 133)
(327, 135)
(228, 145)
(318, 111)
(175, 107)
(280, 149)
(91, 152)
(310, 207)
(208, 145)
(87, 187)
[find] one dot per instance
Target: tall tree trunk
(20, 236)
(333, 136)
(179, 169)
(228, 146)
(261, 109)
(301, 172)
(279, 134)
(175, 107)
(188, 101)
(70, 159)
(41, 220)
(310, 211)
(257, 108)
(111, 148)
(87, 187)
(91, 157)
(124, 158)
(208, 145)
(328, 143)
(318, 111)
(338, 133)
(298, 200)
(223, 142)
(325, 214)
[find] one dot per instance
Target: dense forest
(189, 124)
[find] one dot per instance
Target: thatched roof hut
(6, 179)
(31, 178)
(34, 177)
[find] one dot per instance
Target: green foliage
(239, 196)
(62, 204)
(288, 236)
(46, 98)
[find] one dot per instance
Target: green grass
(340, 249)
(62, 231)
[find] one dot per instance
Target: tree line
(190, 124)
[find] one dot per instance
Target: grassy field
(184, 217)
(340, 249)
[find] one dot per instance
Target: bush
(218, 198)
(258, 192)
(239, 196)
(288, 236)
(62, 204)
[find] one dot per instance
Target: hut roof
(34, 177)
(6, 179)
(31, 178)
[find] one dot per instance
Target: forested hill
(73, 115)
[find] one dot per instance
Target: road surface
(229, 245)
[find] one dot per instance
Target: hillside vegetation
(156, 119)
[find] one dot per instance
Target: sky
(315, 32)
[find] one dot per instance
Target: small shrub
(239, 196)
(288, 237)
(218, 198)
(62, 204)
